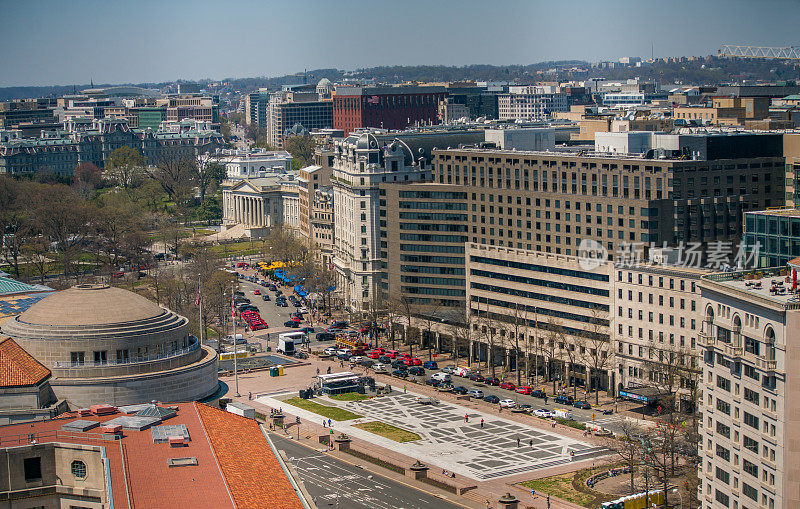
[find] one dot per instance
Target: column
(236, 209)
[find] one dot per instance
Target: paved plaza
(451, 443)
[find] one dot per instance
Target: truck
(562, 413)
(287, 340)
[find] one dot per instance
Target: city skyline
(163, 42)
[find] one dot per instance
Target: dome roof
(324, 82)
(87, 305)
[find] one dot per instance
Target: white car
(343, 351)
(379, 368)
(304, 310)
(330, 350)
(542, 412)
(507, 403)
(356, 359)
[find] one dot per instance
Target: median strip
(335, 413)
(388, 431)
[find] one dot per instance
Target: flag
(373, 99)
(233, 307)
(197, 299)
(794, 280)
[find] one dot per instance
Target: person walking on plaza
(517, 441)
(317, 371)
(481, 422)
(466, 417)
(323, 423)
(330, 425)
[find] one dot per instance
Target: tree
(15, 220)
(175, 176)
(209, 210)
(125, 166)
(88, 173)
(460, 332)
(36, 253)
(208, 174)
(598, 356)
(554, 339)
(627, 445)
(519, 323)
(302, 149)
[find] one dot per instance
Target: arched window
(769, 340)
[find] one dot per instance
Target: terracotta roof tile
(254, 476)
(17, 367)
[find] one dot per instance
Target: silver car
(475, 393)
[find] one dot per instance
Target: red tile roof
(17, 367)
(236, 467)
(254, 476)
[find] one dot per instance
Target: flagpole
(235, 346)
(200, 301)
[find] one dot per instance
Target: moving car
(379, 368)
(325, 336)
(524, 389)
(372, 354)
(507, 403)
(256, 292)
(460, 390)
(392, 354)
(583, 405)
(291, 323)
(343, 351)
(265, 296)
(416, 371)
(307, 330)
(564, 400)
(385, 359)
(398, 364)
(400, 373)
(442, 376)
(542, 412)
(448, 369)
(430, 365)
(356, 359)
(476, 377)
(330, 350)
(492, 381)
(476, 393)
(538, 394)
(491, 398)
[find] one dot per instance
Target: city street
(334, 483)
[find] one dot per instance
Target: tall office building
(750, 374)
(530, 103)
(288, 109)
(392, 108)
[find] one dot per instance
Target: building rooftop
(17, 367)
(787, 212)
(10, 286)
(766, 286)
(227, 462)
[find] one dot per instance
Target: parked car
(400, 373)
(508, 385)
(476, 393)
(432, 382)
(492, 381)
(343, 351)
(539, 394)
(385, 359)
(379, 368)
(430, 365)
(340, 324)
(525, 389)
(291, 323)
(398, 364)
(372, 354)
(325, 336)
(460, 390)
(442, 376)
(564, 400)
(416, 371)
(412, 361)
(583, 405)
(507, 403)
(344, 356)
(356, 359)
(448, 369)
(281, 303)
(256, 292)
(392, 354)
(331, 350)
(476, 377)
(491, 398)
(307, 330)
(542, 412)
(265, 297)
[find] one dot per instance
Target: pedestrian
(317, 371)
(323, 423)
(488, 504)
(250, 395)
(481, 422)
(545, 400)
(330, 424)
(404, 389)
(517, 441)
(341, 363)
(530, 442)
(466, 417)
(548, 501)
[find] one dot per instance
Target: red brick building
(385, 107)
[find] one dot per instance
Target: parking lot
(499, 448)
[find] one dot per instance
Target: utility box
(241, 409)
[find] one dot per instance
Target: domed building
(324, 89)
(108, 345)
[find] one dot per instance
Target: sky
(51, 42)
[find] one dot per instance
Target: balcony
(732, 350)
(767, 365)
(704, 339)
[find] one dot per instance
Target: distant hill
(709, 70)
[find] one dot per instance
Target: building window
(76, 358)
(722, 498)
(78, 469)
(33, 469)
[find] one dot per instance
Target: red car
(415, 362)
(256, 292)
(380, 351)
(392, 354)
(373, 354)
(492, 381)
(524, 389)
(296, 319)
(508, 385)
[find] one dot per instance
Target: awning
(642, 394)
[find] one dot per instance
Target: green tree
(125, 166)
(301, 148)
(209, 210)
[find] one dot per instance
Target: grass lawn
(560, 486)
(242, 248)
(388, 431)
(349, 396)
(338, 414)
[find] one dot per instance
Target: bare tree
(551, 348)
(460, 331)
(125, 166)
(175, 175)
(627, 445)
(597, 356)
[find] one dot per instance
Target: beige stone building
(316, 209)
(750, 378)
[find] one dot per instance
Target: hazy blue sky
(110, 41)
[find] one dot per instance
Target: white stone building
(254, 163)
(530, 103)
(260, 203)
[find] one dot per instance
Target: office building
(393, 108)
(656, 317)
(361, 163)
(32, 111)
(530, 103)
(293, 110)
(749, 380)
(316, 209)
(255, 109)
(772, 236)
(450, 111)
